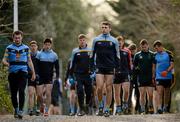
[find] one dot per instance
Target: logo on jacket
(99, 43)
(111, 43)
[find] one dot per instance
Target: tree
(150, 19)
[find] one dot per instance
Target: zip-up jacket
(80, 61)
(105, 51)
(46, 62)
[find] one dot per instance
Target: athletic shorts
(73, 86)
(166, 83)
(45, 80)
(105, 71)
(30, 82)
(145, 84)
(121, 77)
(55, 100)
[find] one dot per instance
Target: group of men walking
(35, 66)
(101, 75)
(117, 70)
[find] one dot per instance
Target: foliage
(5, 100)
(62, 20)
(150, 19)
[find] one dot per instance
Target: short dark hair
(48, 40)
(33, 42)
(81, 36)
(18, 32)
(143, 42)
(132, 46)
(120, 38)
(157, 43)
(106, 23)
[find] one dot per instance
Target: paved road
(122, 118)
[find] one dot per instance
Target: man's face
(47, 46)
(82, 42)
(121, 43)
(105, 29)
(158, 49)
(33, 47)
(17, 39)
(144, 47)
(133, 51)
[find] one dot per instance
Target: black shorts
(121, 77)
(166, 83)
(55, 100)
(73, 86)
(145, 84)
(30, 82)
(45, 80)
(105, 71)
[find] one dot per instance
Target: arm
(171, 58)
(5, 58)
(92, 56)
(72, 63)
(67, 72)
(30, 64)
(153, 74)
(56, 63)
(130, 60)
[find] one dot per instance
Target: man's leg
(109, 84)
(99, 88)
(155, 95)
(166, 99)
(142, 92)
(160, 90)
(125, 87)
(22, 76)
(80, 94)
(31, 93)
(117, 98)
(150, 98)
(72, 100)
(14, 89)
(40, 102)
(48, 89)
(89, 92)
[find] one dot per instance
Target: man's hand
(6, 63)
(153, 81)
(33, 77)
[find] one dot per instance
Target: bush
(5, 100)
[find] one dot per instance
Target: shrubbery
(5, 100)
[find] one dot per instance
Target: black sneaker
(30, 112)
(16, 113)
(142, 112)
(100, 112)
(159, 111)
(38, 113)
(165, 110)
(20, 114)
(118, 111)
(72, 114)
(106, 113)
(125, 108)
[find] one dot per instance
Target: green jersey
(143, 62)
